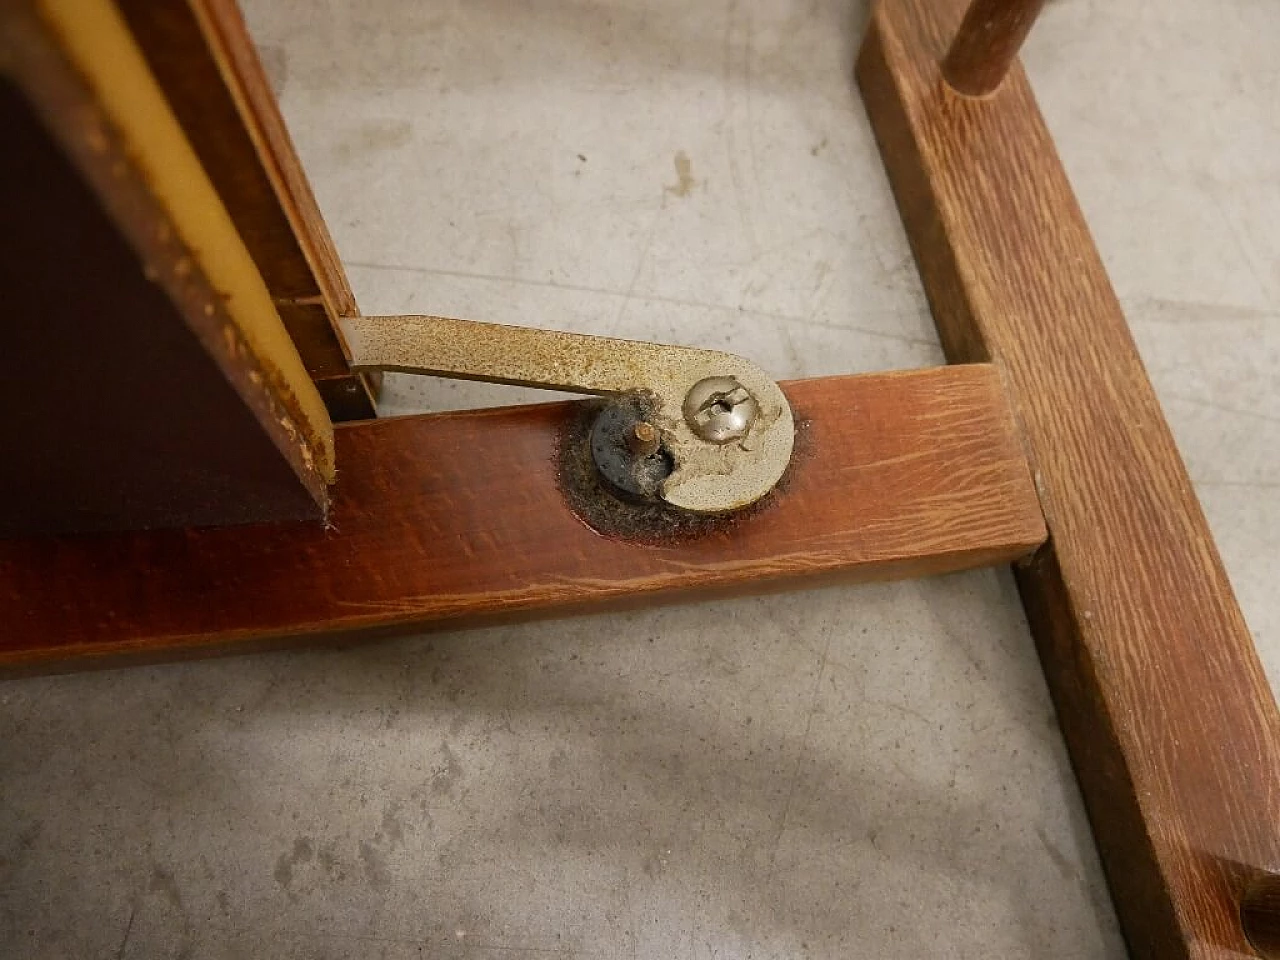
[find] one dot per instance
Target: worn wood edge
(978, 506)
(246, 80)
(94, 37)
(1173, 900)
(36, 62)
(320, 635)
(208, 67)
(174, 44)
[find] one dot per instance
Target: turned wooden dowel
(986, 43)
(1260, 914)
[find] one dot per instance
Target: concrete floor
(860, 772)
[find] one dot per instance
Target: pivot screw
(720, 409)
(643, 439)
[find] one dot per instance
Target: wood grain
(986, 44)
(1171, 725)
(130, 397)
(459, 518)
(203, 56)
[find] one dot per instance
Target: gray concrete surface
(862, 772)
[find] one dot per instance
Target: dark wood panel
(1261, 915)
(128, 398)
(205, 60)
(308, 323)
(1171, 725)
(348, 398)
(460, 518)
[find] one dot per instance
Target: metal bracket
(725, 425)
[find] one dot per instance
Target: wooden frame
(1171, 725)
(1172, 728)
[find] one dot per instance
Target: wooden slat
(459, 518)
(1171, 725)
(205, 59)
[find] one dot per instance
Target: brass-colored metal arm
(710, 475)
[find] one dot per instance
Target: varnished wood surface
(129, 398)
(459, 518)
(204, 58)
(1172, 728)
(987, 42)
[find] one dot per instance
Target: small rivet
(643, 439)
(720, 409)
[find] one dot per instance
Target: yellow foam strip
(100, 44)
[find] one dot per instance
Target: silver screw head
(720, 409)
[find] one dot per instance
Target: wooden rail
(1171, 725)
(462, 518)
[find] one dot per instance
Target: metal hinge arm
(710, 475)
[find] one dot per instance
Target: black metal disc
(637, 475)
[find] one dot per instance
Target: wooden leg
(471, 517)
(1171, 725)
(987, 43)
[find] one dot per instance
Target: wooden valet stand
(193, 464)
